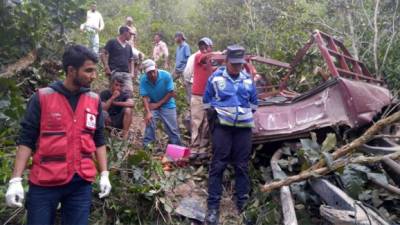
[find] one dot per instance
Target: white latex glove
(15, 192)
(105, 186)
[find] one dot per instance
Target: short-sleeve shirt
(119, 56)
(113, 110)
(201, 72)
(156, 91)
(181, 57)
(160, 50)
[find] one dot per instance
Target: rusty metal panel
(366, 99)
(342, 102)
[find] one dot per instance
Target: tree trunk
(376, 39)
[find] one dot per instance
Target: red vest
(65, 144)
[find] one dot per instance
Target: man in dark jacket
(62, 131)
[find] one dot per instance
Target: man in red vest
(62, 131)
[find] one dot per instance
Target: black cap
(235, 54)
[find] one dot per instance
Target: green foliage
(275, 29)
(11, 110)
(309, 152)
(262, 208)
(11, 106)
(137, 181)
(354, 179)
(37, 25)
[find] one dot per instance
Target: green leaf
(353, 180)
(329, 142)
(310, 151)
(139, 157)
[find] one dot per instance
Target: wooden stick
(388, 187)
(324, 170)
(393, 169)
(288, 211)
(357, 143)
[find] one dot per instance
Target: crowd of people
(63, 127)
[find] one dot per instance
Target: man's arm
(204, 57)
(128, 103)
(101, 156)
(107, 104)
(146, 103)
(101, 24)
(131, 67)
(166, 55)
(187, 52)
(21, 159)
(149, 115)
(162, 101)
(104, 60)
(171, 93)
(131, 63)
(28, 135)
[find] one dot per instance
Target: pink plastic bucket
(176, 152)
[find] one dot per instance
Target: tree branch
(354, 40)
(376, 38)
(394, 32)
(366, 14)
(324, 170)
(319, 169)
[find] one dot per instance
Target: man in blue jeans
(157, 90)
(62, 131)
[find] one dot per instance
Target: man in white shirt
(160, 52)
(93, 25)
(188, 75)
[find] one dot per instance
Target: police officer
(230, 99)
(62, 131)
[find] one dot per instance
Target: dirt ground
(191, 189)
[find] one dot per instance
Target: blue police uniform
(230, 103)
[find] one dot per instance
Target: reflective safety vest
(234, 100)
(65, 145)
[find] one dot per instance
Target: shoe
(212, 217)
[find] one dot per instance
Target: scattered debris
(191, 208)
